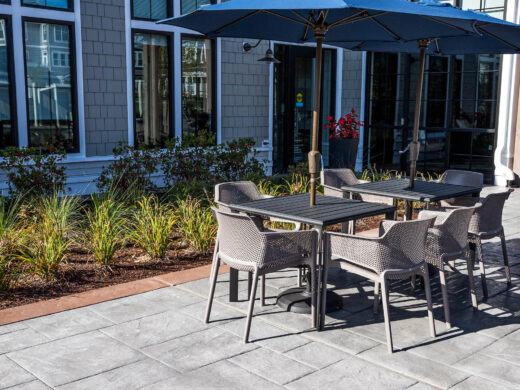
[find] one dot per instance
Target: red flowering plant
(345, 127)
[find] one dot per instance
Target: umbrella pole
(415, 145)
(314, 155)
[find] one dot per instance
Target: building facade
(85, 75)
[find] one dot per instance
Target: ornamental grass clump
(55, 220)
(151, 226)
(196, 224)
(105, 232)
(12, 235)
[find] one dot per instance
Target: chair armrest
(356, 249)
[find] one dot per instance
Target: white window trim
(17, 12)
(131, 24)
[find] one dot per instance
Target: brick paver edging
(74, 301)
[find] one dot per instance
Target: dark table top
(425, 191)
(327, 211)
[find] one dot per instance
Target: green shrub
(196, 224)
(151, 226)
(106, 228)
(298, 184)
(132, 168)
(33, 172)
(51, 234)
(12, 236)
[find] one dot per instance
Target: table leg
(427, 207)
(233, 285)
(320, 285)
(408, 210)
(350, 224)
(391, 216)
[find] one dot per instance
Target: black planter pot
(343, 152)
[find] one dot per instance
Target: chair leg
(376, 297)
(428, 292)
(471, 282)
(300, 276)
(212, 289)
(445, 298)
(386, 311)
(506, 260)
(251, 306)
(482, 268)
(452, 264)
(412, 284)
(262, 290)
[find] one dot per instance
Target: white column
(359, 160)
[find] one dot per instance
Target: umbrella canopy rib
(498, 38)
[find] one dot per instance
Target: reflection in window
(151, 89)
(49, 86)
(494, 8)
(197, 101)
(49, 3)
(6, 125)
(150, 9)
(192, 5)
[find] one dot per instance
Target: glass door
(294, 103)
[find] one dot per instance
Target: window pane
(6, 126)
(150, 9)
(192, 5)
(151, 89)
(48, 3)
(197, 101)
(49, 85)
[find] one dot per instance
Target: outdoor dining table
(327, 211)
(423, 191)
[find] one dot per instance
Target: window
(60, 59)
(197, 85)
(192, 5)
(151, 9)
(7, 129)
(65, 4)
(152, 115)
(50, 89)
(494, 8)
(61, 34)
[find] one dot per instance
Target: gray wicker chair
(333, 179)
(246, 191)
(463, 178)
(447, 241)
(398, 253)
(486, 224)
(243, 246)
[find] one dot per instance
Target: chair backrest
(488, 215)
(236, 192)
(338, 177)
(238, 237)
(463, 178)
(404, 244)
(454, 229)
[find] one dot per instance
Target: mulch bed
(80, 273)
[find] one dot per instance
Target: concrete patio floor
(157, 340)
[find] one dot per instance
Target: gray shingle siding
(245, 92)
(104, 72)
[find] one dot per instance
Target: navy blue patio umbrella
(367, 25)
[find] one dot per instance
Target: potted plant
(344, 140)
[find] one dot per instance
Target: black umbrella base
(298, 300)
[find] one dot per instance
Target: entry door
(294, 102)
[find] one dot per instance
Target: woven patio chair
(246, 191)
(243, 246)
(462, 178)
(447, 241)
(333, 179)
(398, 253)
(486, 224)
